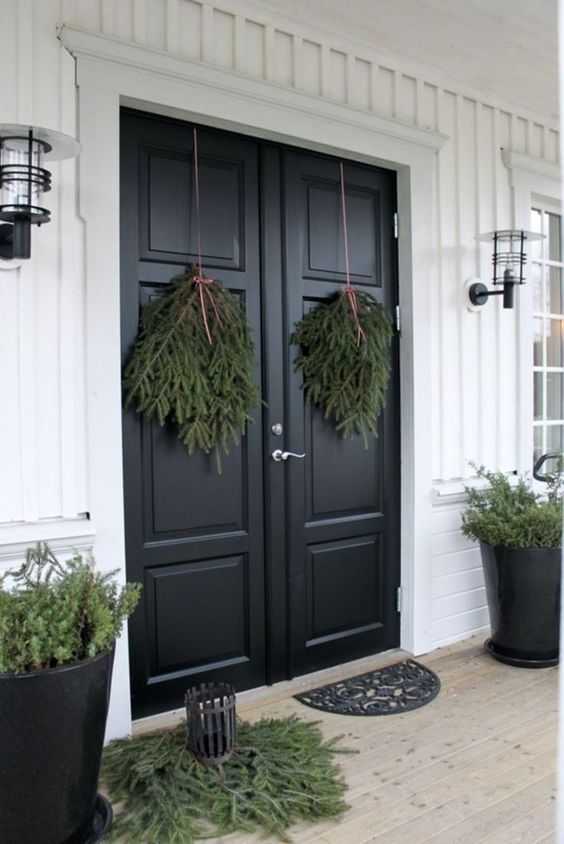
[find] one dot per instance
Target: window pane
(554, 304)
(554, 383)
(535, 247)
(554, 438)
(538, 450)
(538, 329)
(536, 274)
(554, 237)
(554, 355)
(537, 381)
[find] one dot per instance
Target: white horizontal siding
(459, 606)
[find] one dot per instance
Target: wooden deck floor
(476, 765)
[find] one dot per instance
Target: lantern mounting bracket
(479, 294)
(6, 241)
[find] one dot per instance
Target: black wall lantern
(509, 259)
(24, 180)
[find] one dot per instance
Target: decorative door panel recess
(325, 259)
(336, 568)
(344, 474)
(186, 599)
(167, 181)
(269, 569)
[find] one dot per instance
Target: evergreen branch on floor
(282, 772)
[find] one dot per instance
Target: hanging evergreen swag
(193, 364)
(345, 354)
(193, 360)
(346, 379)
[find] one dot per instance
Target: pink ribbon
(199, 279)
(348, 289)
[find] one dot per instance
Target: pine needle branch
(175, 375)
(346, 379)
(282, 772)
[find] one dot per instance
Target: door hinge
(399, 599)
(398, 319)
(396, 225)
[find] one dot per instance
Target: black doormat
(397, 688)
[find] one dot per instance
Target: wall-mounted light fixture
(24, 180)
(509, 259)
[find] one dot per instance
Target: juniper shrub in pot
(520, 536)
(58, 625)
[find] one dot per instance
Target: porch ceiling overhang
(505, 49)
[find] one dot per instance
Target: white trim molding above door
(113, 73)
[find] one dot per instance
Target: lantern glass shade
(57, 146)
(509, 257)
(23, 179)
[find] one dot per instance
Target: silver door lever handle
(278, 455)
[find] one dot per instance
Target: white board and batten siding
(474, 382)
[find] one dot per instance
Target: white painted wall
(474, 380)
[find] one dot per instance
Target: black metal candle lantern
(211, 722)
(509, 259)
(24, 180)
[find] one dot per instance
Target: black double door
(270, 569)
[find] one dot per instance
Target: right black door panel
(343, 499)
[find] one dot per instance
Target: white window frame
(532, 182)
(546, 314)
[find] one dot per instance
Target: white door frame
(112, 73)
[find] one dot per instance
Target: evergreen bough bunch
(348, 380)
(175, 373)
(282, 772)
(57, 613)
(513, 515)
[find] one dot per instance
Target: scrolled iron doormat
(397, 688)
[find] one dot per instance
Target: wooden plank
(537, 825)
(466, 797)
(475, 766)
(499, 815)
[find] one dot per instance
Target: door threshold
(252, 698)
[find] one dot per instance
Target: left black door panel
(195, 539)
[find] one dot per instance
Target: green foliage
(174, 373)
(513, 516)
(56, 613)
(347, 380)
(282, 772)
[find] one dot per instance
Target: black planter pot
(523, 592)
(52, 727)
